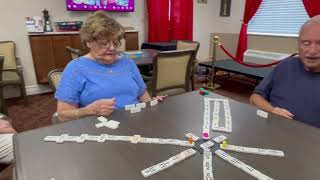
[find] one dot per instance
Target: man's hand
(5, 127)
(282, 112)
(103, 107)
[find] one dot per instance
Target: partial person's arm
(145, 97)
(263, 104)
(102, 107)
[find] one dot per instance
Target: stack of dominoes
(168, 163)
(104, 122)
(237, 163)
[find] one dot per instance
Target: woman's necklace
(109, 70)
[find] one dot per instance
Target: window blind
(278, 17)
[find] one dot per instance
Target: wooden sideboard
(49, 50)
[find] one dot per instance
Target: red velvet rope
(251, 65)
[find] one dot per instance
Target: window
(275, 17)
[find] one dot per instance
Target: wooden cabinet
(49, 50)
(132, 42)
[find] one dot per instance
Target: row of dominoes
(206, 120)
(105, 137)
(207, 165)
(239, 164)
(268, 152)
(104, 122)
(134, 108)
(216, 118)
(168, 163)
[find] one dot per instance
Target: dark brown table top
(232, 66)
(38, 160)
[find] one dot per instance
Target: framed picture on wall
(225, 8)
(202, 1)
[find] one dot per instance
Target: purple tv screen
(94, 5)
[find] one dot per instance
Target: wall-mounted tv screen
(94, 5)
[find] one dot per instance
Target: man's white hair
(314, 19)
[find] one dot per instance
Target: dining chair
(171, 72)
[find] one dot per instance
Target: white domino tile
(207, 145)
(168, 163)
(102, 119)
(262, 113)
(141, 105)
(207, 165)
(239, 164)
(194, 137)
(219, 139)
(128, 107)
(154, 102)
(250, 150)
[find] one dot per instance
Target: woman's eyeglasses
(107, 44)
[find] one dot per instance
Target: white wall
(13, 13)
(207, 20)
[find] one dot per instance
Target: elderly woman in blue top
(100, 81)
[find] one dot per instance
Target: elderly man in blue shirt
(292, 89)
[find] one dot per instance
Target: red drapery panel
(181, 20)
(312, 7)
(251, 8)
(158, 20)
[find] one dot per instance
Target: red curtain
(312, 7)
(181, 20)
(158, 20)
(251, 8)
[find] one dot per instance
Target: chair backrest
(7, 49)
(1, 87)
(172, 71)
(1, 65)
(122, 46)
(184, 45)
(54, 77)
(73, 53)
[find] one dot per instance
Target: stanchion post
(211, 85)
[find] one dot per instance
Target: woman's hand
(102, 107)
(5, 127)
(160, 98)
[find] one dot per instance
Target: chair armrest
(146, 78)
(19, 65)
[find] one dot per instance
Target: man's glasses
(107, 44)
